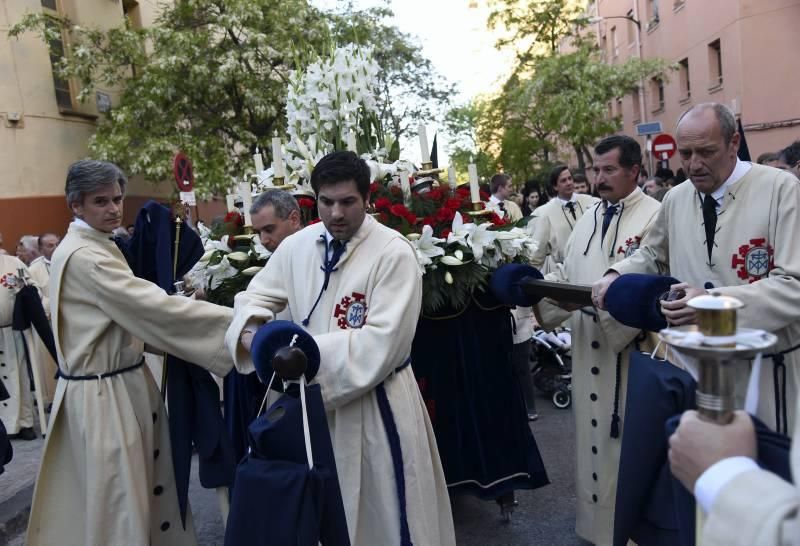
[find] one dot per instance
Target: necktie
(611, 210)
(571, 207)
(338, 249)
(710, 221)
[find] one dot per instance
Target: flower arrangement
(231, 260)
(458, 251)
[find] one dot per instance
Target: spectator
(581, 184)
(28, 249)
(789, 158)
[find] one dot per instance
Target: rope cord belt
(100, 375)
(779, 385)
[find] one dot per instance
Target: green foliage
(209, 79)
(440, 296)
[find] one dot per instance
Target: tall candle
(229, 202)
(474, 190)
(352, 145)
(277, 155)
(423, 144)
(451, 178)
(258, 160)
(245, 191)
(405, 186)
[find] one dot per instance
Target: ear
(735, 140)
(77, 209)
(295, 217)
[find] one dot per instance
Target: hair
(87, 176)
(791, 154)
(724, 115)
(282, 201)
(42, 236)
(580, 178)
(531, 186)
(767, 157)
(498, 181)
(29, 242)
(338, 167)
(680, 176)
(555, 172)
(664, 174)
(630, 153)
(643, 172)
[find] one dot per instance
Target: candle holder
(478, 209)
(278, 183)
(428, 170)
(248, 230)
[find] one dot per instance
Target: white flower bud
(448, 278)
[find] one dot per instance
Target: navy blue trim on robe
(195, 419)
(463, 368)
(6, 451)
(28, 311)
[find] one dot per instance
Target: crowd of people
(106, 475)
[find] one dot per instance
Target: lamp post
(642, 108)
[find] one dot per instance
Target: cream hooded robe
(364, 325)
(106, 475)
(597, 339)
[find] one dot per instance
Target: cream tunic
(756, 258)
(17, 411)
(106, 475)
(364, 325)
(552, 226)
(40, 273)
(595, 346)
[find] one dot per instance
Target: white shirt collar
(494, 200)
(81, 223)
(741, 169)
(572, 199)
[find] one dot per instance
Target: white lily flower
(251, 271)
(480, 239)
(458, 254)
(221, 245)
(218, 273)
(238, 256)
(260, 250)
(448, 277)
(450, 260)
(459, 231)
(426, 246)
(207, 256)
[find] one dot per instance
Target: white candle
(277, 155)
(229, 202)
(474, 190)
(451, 178)
(352, 145)
(405, 186)
(258, 160)
(245, 192)
(423, 144)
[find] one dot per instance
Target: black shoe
(533, 417)
(26, 434)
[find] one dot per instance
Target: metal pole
(642, 103)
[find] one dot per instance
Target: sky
(454, 37)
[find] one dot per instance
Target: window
(637, 110)
(677, 4)
(652, 12)
(62, 88)
(714, 65)
(657, 90)
(619, 107)
(604, 51)
(614, 46)
(685, 83)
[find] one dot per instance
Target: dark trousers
(521, 364)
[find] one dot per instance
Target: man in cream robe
(40, 273)
(106, 475)
(600, 345)
(552, 223)
(16, 412)
(364, 323)
(754, 256)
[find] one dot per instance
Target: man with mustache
(732, 229)
(608, 232)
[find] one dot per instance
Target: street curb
(14, 514)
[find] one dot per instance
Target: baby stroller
(552, 365)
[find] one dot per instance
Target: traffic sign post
(184, 179)
(664, 146)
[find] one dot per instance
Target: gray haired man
(275, 215)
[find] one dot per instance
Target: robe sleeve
(773, 302)
(265, 297)
(355, 361)
(541, 236)
(548, 314)
(652, 257)
(191, 330)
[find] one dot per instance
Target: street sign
(664, 146)
(649, 128)
(184, 175)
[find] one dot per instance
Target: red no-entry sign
(664, 146)
(184, 175)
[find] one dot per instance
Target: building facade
(727, 51)
(43, 128)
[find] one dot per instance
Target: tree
(210, 79)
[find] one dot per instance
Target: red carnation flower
(453, 203)
(396, 190)
(429, 221)
(445, 215)
(484, 195)
(496, 220)
(411, 218)
(445, 233)
(373, 187)
(462, 192)
(305, 203)
(399, 210)
(314, 221)
(435, 194)
(382, 204)
(383, 218)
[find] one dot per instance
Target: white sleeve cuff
(717, 476)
